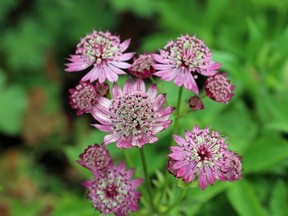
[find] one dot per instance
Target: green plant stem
(128, 158)
(177, 115)
(147, 179)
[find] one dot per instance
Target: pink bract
(115, 192)
(183, 60)
(133, 117)
(104, 52)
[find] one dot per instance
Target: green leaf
(244, 199)
(266, 152)
(13, 103)
(279, 200)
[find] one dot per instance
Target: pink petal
(124, 45)
(111, 138)
(104, 102)
(139, 85)
(124, 57)
(152, 91)
(116, 91)
(159, 101)
(123, 65)
(105, 128)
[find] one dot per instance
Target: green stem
(128, 158)
(177, 115)
(147, 179)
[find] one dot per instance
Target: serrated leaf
(244, 199)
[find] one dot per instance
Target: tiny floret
(203, 154)
(142, 66)
(133, 117)
(218, 88)
(183, 60)
(104, 53)
(83, 97)
(115, 192)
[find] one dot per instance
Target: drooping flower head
(183, 60)
(133, 117)
(195, 103)
(218, 88)
(102, 88)
(115, 192)
(200, 154)
(83, 97)
(232, 168)
(104, 52)
(142, 66)
(95, 158)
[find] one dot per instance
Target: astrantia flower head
(142, 66)
(133, 117)
(232, 168)
(183, 60)
(104, 52)
(95, 158)
(102, 88)
(199, 155)
(115, 192)
(218, 88)
(83, 97)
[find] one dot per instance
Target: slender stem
(147, 179)
(128, 158)
(177, 115)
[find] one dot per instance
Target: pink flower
(142, 66)
(182, 60)
(218, 88)
(133, 117)
(83, 97)
(200, 154)
(102, 51)
(195, 103)
(232, 168)
(95, 158)
(115, 192)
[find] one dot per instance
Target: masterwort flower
(95, 158)
(142, 66)
(218, 88)
(83, 97)
(201, 154)
(105, 52)
(133, 117)
(232, 168)
(183, 60)
(115, 192)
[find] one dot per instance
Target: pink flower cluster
(203, 154)
(111, 190)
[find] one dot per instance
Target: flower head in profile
(104, 52)
(133, 117)
(218, 88)
(183, 60)
(232, 166)
(142, 66)
(195, 103)
(83, 97)
(200, 154)
(115, 192)
(95, 158)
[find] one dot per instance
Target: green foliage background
(41, 137)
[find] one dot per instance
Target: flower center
(204, 153)
(134, 114)
(111, 191)
(85, 98)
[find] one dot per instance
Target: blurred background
(41, 136)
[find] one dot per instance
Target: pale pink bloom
(133, 117)
(195, 103)
(96, 158)
(115, 192)
(142, 66)
(83, 97)
(218, 88)
(183, 60)
(104, 52)
(199, 155)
